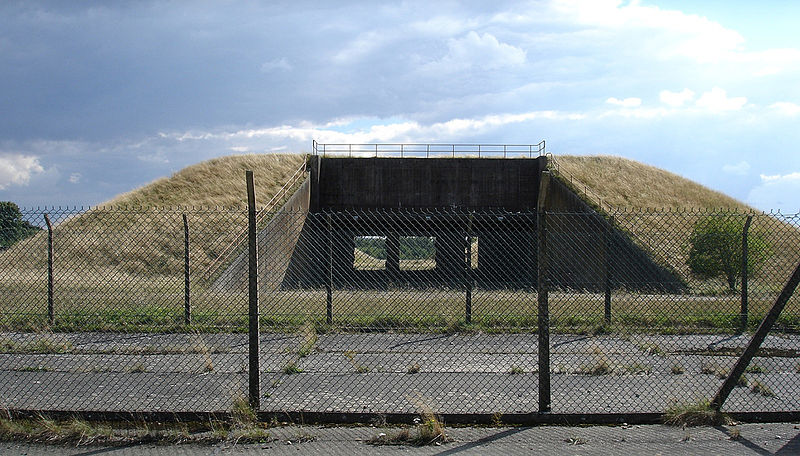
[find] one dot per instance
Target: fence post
(608, 232)
(51, 316)
(543, 305)
(187, 304)
(329, 275)
(756, 341)
(468, 271)
(743, 313)
(252, 287)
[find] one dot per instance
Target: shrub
(12, 227)
(716, 249)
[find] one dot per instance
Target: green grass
(128, 310)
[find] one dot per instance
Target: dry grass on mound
(628, 184)
(130, 235)
(215, 183)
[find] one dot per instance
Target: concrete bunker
(348, 205)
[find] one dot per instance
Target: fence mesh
(390, 311)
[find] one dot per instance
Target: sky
(99, 98)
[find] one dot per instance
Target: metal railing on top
(430, 150)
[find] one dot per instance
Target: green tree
(12, 227)
(716, 249)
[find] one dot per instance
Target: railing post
(329, 275)
(743, 312)
(252, 282)
(51, 315)
(468, 271)
(187, 305)
(542, 292)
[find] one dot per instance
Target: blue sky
(99, 98)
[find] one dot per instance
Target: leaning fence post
(543, 305)
(756, 341)
(252, 288)
(51, 316)
(743, 313)
(608, 232)
(329, 275)
(187, 305)
(468, 271)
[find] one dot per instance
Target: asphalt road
(388, 372)
(743, 439)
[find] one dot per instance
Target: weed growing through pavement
(308, 338)
(693, 414)
(713, 369)
(637, 369)
(413, 369)
(652, 348)
(204, 351)
(600, 366)
(428, 430)
(516, 370)
(755, 369)
(742, 381)
(136, 368)
(351, 356)
(291, 368)
(677, 369)
(576, 441)
(762, 389)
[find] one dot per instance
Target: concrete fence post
(608, 235)
(468, 271)
(543, 305)
(329, 275)
(252, 287)
(187, 305)
(744, 311)
(51, 316)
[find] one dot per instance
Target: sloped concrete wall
(276, 245)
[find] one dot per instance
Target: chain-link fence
(390, 311)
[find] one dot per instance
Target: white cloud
(396, 131)
(363, 45)
(717, 100)
(240, 149)
(484, 51)
(280, 64)
(786, 108)
(156, 157)
(776, 192)
(631, 102)
(17, 169)
(676, 99)
(688, 35)
(75, 178)
(739, 169)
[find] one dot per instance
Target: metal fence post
(329, 275)
(743, 313)
(468, 271)
(252, 286)
(187, 305)
(608, 232)
(51, 316)
(543, 321)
